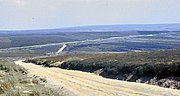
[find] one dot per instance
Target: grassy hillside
(156, 67)
(14, 81)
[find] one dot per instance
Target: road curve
(61, 49)
(88, 84)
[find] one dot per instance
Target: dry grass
(14, 81)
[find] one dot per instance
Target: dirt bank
(87, 84)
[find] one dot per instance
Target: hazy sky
(28, 14)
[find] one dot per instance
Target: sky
(45, 14)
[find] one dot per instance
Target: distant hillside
(131, 27)
(101, 28)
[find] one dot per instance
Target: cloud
(20, 2)
(18, 14)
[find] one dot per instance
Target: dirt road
(88, 84)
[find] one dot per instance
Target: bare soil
(88, 84)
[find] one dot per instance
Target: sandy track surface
(88, 84)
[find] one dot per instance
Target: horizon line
(90, 25)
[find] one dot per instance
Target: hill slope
(157, 67)
(100, 28)
(88, 84)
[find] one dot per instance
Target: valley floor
(88, 84)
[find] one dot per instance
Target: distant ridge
(101, 28)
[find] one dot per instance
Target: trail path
(61, 49)
(88, 84)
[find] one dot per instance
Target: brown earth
(88, 84)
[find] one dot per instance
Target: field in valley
(83, 42)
